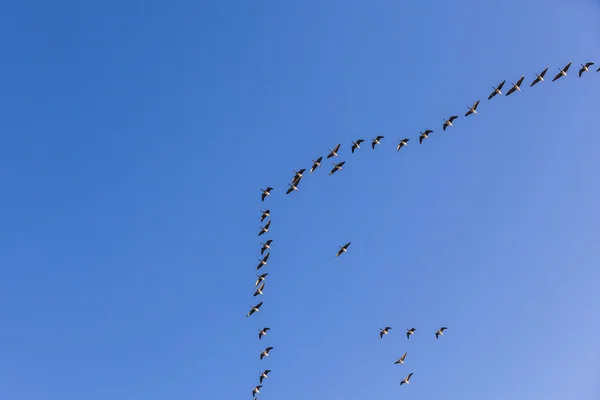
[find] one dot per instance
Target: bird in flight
(266, 246)
(254, 309)
(292, 188)
(403, 142)
(409, 332)
(424, 135)
(585, 68)
(264, 374)
(333, 153)
(473, 109)
(562, 72)
(516, 86)
(440, 332)
(260, 278)
(343, 249)
(266, 192)
(265, 228)
(337, 167)
(539, 78)
(448, 122)
(256, 390)
(406, 380)
(401, 359)
(384, 331)
(265, 352)
(297, 176)
(316, 164)
(376, 141)
(497, 90)
(263, 262)
(356, 145)
(259, 290)
(263, 332)
(265, 214)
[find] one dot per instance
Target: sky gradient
(135, 139)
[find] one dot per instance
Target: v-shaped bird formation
(354, 146)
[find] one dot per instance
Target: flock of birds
(298, 175)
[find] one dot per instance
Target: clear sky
(134, 139)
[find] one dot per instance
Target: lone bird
(406, 380)
(265, 214)
(403, 142)
(516, 86)
(333, 153)
(264, 374)
(263, 332)
(356, 145)
(562, 72)
(384, 331)
(260, 278)
(473, 109)
(539, 78)
(409, 332)
(263, 262)
(254, 309)
(259, 290)
(376, 141)
(316, 164)
(265, 228)
(337, 167)
(266, 192)
(343, 249)
(585, 68)
(440, 332)
(448, 122)
(497, 90)
(266, 246)
(265, 352)
(401, 359)
(256, 390)
(424, 135)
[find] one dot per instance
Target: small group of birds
(355, 145)
(409, 332)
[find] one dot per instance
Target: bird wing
(387, 328)
(262, 286)
(566, 68)
(262, 250)
(373, 145)
(403, 356)
(265, 258)
(268, 349)
(468, 113)
(512, 90)
(475, 105)
(437, 334)
(268, 224)
(269, 241)
(452, 118)
(313, 168)
(339, 252)
(409, 375)
(536, 80)
(263, 196)
(581, 71)
(492, 95)
(290, 190)
(445, 125)
(380, 137)
(333, 170)
(501, 84)
(443, 328)
(347, 244)
(408, 335)
(261, 379)
(251, 312)
(421, 139)
(520, 80)
(381, 335)
(428, 131)
(353, 147)
(589, 64)
(544, 72)
(359, 141)
(398, 147)
(557, 76)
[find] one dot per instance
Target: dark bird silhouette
(497, 90)
(403, 142)
(256, 390)
(440, 332)
(562, 72)
(293, 187)
(585, 68)
(265, 228)
(316, 164)
(263, 262)
(259, 290)
(265, 214)
(539, 78)
(333, 153)
(424, 135)
(401, 359)
(260, 278)
(343, 249)
(448, 122)
(263, 375)
(254, 309)
(516, 86)
(356, 145)
(297, 176)
(266, 246)
(376, 141)
(337, 167)
(473, 109)
(266, 192)
(263, 332)
(406, 380)
(410, 332)
(384, 331)
(265, 352)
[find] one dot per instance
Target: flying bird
(440, 332)
(448, 122)
(410, 332)
(316, 164)
(263, 332)
(539, 78)
(265, 228)
(343, 249)
(356, 145)
(563, 72)
(263, 262)
(256, 390)
(264, 374)
(585, 68)
(266, 246)
(266, 192)
(333, 153)
(516, 86)
(259, 290)
(254, 309)
(473, 109)
(337, 167)
(384, 331)
(265, 214)
(260, 278)
(497, 90)
(401, 359)
(376, 141)
(406, 380)
(403, 142)
(297, 176)
(265, 352)
(424, 135)
(292, 188)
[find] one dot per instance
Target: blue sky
(135, 139)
